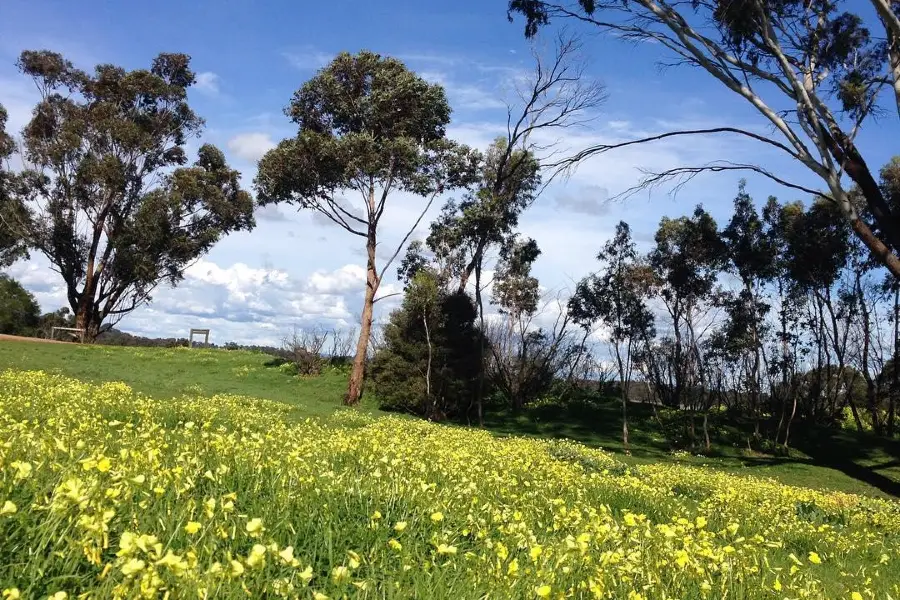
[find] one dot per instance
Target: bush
(400, 371)
(19, 311)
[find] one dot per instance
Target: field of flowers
(106, 493)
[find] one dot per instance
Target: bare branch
(683, 175)
(601, 148)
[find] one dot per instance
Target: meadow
(156, 489)
(825, 459)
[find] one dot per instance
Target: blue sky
(295, 270)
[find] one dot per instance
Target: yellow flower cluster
(108, 494)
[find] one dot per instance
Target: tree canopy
(19, 311)
(108, 199)
(816, 72)
(12, 246)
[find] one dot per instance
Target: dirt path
(18, 338)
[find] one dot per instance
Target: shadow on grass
(869, 460)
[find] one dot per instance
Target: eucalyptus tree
(686, 262)
(12, 244)
(108, 198)
(750, 253)
(616, 298)
(818, 250)
(815, 72)
(557, 95)
(368, 127)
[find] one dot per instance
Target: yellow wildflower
(133, 566)
(340, 573)
(237, 569)
(255, 527)
(192, 527)
(445, 549)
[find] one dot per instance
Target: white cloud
(251, 146)
(587, 200)
(208, 83)
(271, 212)
(346, 279)
(307, 59)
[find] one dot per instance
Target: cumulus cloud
(587, 200)
(208, 83)
(247, 304)
(251, 146)
(307, 59)
(346, 279)
(272, 213)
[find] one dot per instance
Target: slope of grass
(837, 460)
(170, 372)
(819, 458)
(105, 493)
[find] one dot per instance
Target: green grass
(171, 372)
(823, 459)
(838, 460)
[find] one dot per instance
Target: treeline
(779, 315)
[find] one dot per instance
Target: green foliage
(486, 216)
(430, 362)
(12, 245)
(516, 291)
(363, 121)
(19, 311)
(616, 297)
(111, 204)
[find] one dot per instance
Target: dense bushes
(430, 361)
(19, 311)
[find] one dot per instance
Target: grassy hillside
(170, 372)
(844, 461)
(108, 494)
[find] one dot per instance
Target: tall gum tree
(107, 198)
(368, 127)
(816, 72)
(12, 245)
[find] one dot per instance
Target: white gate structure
(203, 332)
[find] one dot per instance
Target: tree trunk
(706, 429)
(429, 409)
(357, 374)
(894, 386)
(479, 396)
(878, 248)
(787, 430)
(855, 413)
(86, 317)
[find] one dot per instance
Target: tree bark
(479, 396)
(878, 248)
(357, 374)
(85, 315)
(429, 411)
